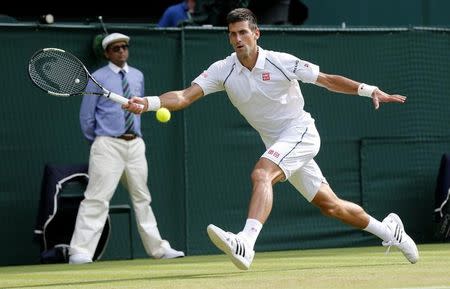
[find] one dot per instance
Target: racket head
(58, 72)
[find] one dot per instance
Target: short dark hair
(242, 14)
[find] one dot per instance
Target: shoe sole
(399, 221)
(221, 243)
(80, 262)
(77, 260)
(172, 256)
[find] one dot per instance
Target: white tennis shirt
(269, 96)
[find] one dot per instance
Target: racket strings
(58, 71)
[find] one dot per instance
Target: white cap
(114, 37)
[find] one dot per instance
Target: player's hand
(136, 105)
(380, 96)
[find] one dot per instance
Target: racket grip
(120, 99)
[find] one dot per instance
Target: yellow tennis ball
(163, 114)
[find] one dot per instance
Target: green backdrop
(200, 162)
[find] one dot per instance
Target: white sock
(251, 231)
(379, 229)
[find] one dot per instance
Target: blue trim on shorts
(293, 147)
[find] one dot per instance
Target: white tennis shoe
(400, 239)
(79, 259)
(233, 245)
(171, 253)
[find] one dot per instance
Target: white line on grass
(433, 287)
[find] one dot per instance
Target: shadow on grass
(195, 276)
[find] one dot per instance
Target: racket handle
(120, 99)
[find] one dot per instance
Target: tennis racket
(61, 73)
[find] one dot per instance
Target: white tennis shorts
(296, 160)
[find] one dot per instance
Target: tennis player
(263, 86)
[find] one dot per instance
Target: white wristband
(154, 103)
(366, 90)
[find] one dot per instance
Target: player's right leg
(280, 160)
(235, 246)
(239, 247)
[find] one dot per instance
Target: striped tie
(129, 117)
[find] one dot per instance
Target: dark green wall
(378, 13)
(365, 12)
(200, 162)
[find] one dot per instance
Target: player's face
(117, 53)
(243, 39)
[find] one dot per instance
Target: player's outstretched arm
(342, 84)
(172, 100)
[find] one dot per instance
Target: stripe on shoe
(398, 233)
(240, 248)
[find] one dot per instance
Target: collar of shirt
(260, 62)
(117, 69)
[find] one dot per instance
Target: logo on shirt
(205, 74)
(266, 76)
(274, 153)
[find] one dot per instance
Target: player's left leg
(310, 182)
(332, 206)
(390, 230)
